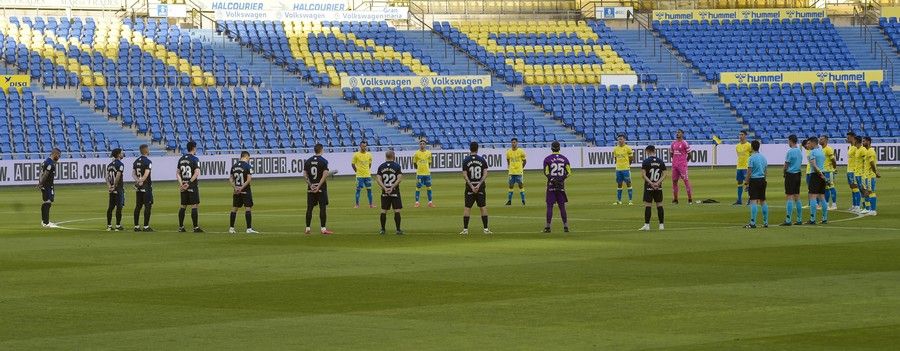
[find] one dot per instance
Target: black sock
(118, 216)
(249, 217)
(465, 222)
(181, 218)
(662, 214)
(322, 215)
(45, 212)
(308, 216)
(147, 215)
(397, 219)
(231, 219)
(137, 214)
(383, 220)
(109, 211)
(194, 217)
(647, 213)
(484, 221)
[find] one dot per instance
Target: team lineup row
(862, 172)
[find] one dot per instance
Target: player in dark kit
(143, 189)
(45, 184)
(474, 169)
(557, 169)
(654, 173)
(388, 178)
(315, 171)
(241, 176)
(187, 175)
(115, 172)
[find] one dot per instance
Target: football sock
(689, 189)
(740, 193)
(825, 211)
(308, 216)
(790, 211)
(137, 214)
(429, 194)
(549, 214)
(647, 213)
(619, 194)
(417, 194)
(118, 215)
(323, 216)
(827, 195)
(812, 209)
(383, 220)
(369, 195)
(249, 217)
(834, 195)
(484, 221)
(109, 211)
(798, 206)
(181, 218)
(630, 194)
(357, 195)
(661, 213)
(873, 200)
(563, 214)
(522, 194)
(765, 213)
(465, 222)
(397, 219)
(854, 196)
(753, 210)
(194, 217)
(232, 218)
(45, 212)
(509, 195)
(675, 189)
(147, 215)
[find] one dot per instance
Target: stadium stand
(891, 28)
(545, 52)
(229, 118)
(463, 113)
(600, 113)
(322, 52)
(758, 45)
(776, 111)
(471, 7)
(32, 125)
(86, 52)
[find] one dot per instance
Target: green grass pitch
(702, 284)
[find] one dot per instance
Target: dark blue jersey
(115, 170)
(240, 174)
(390, 172)
(315, 168)
(475, 167)
(48, 168)
(654, 168)
(187, 165)
(141, 166)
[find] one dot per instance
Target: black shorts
(816, 184)
(117, 199)
(478, 197)
(792, 183)
(651, 196)
(242, 200)
(391, 201)
(757, 189)
(143, 196)
(190, 197)
(48, 194)
(316, 199)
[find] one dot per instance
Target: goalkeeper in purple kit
(557, 169)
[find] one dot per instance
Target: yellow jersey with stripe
(516, 159)
(422, 160)
(861, 154)
(871, 161)
(829, 158)
(363, 163)
(622, 155)
(851, 158)
(743, 155)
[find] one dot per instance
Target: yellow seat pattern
(548, 74)
(298, 40)
(36, 41)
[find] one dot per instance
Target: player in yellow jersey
(855, 197)
(422, 160)
(516, 159)
(830, 171)
(743, 150)
(870, 174)
(624, 158)
(859, 170)
(362, 165)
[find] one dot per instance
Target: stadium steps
(861, 49)
(669, 68)
(531, 110)
(394, 135)
(441, 51)
(728, 123)
(113, 130)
